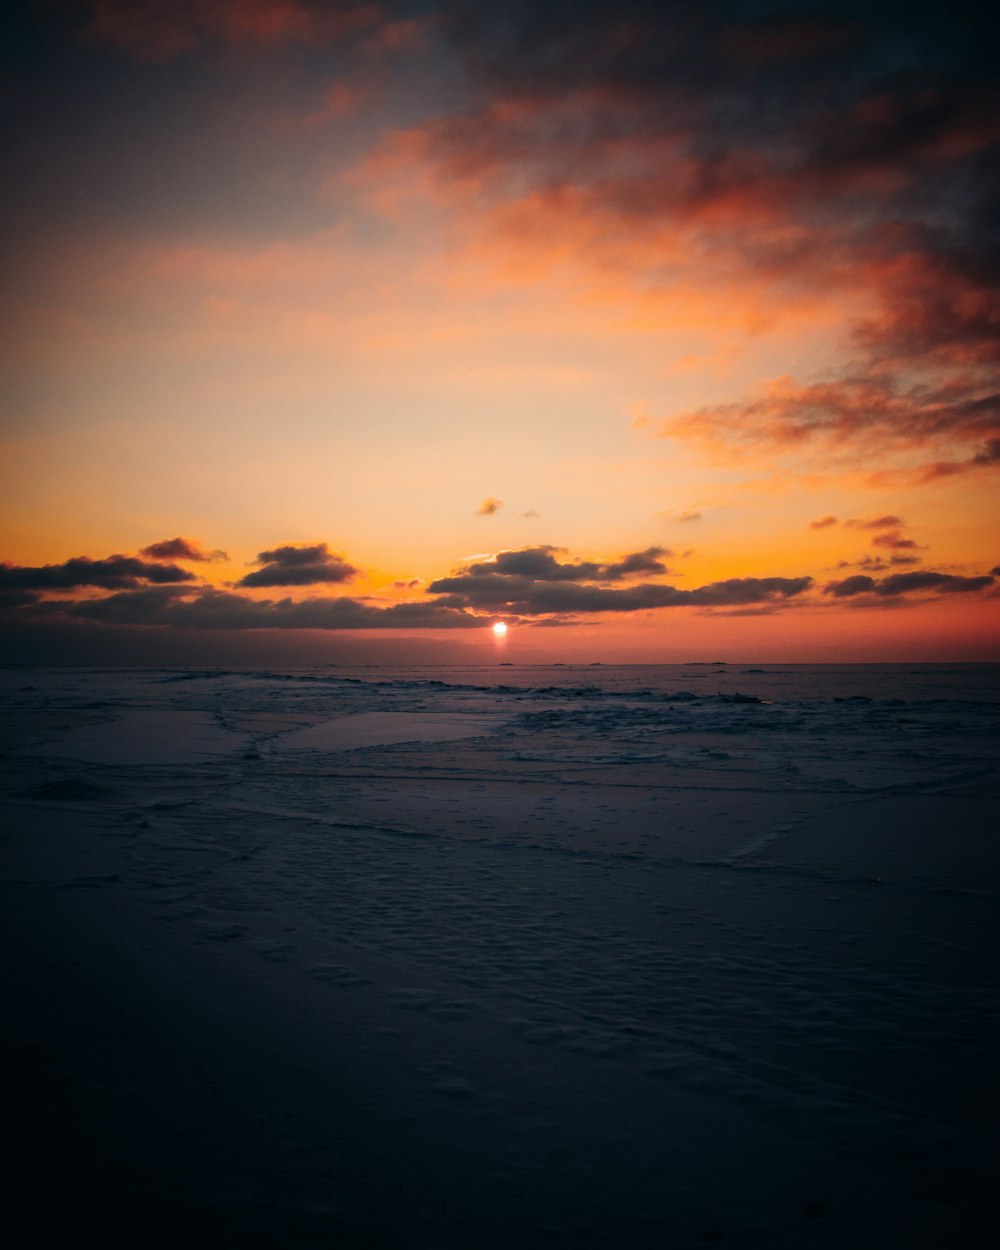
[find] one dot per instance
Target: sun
(499, 629)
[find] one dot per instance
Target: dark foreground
(308, 963)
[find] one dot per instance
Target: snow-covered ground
(571, 959)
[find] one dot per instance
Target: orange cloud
(863, 413)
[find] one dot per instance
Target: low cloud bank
(533, 586)
(113, 573)
(897, 584)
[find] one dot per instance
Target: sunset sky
(342, 330)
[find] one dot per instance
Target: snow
(482, 958)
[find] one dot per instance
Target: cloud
(161, 29)
(859, 584)
(988, 454)
(898, 584)
(862, 412)
(209, 608)
(489, 506)
(10, 599)
(403, 35)
(878, 564)
(299, 566)
(647, 561)
(115, 572)
(895, 540)
(945, 583)
(532, 582)
(181, 549)
(888, 535)
(857, 523)
(938, 302)
(875, 523)
(679, 518)
(526, 597)
(541, 564)
(777, 160)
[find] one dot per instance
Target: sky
(339, 331)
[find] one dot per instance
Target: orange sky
(287, 276)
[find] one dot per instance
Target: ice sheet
(372, 729)
(301, 959)
(143, 736)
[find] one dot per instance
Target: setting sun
(500, 628)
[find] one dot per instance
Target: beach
(547, 956)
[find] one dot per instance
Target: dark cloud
(182, 549)
(748, 590)
(114, 573)
(647, 561)
(895, 540)
(159, 30)
(897, 584)
(489, 506)
(889, 536)
(533, 583)
(208, 608)
(16, 598)
(299, 566)
(875, 523)
(460, 603)
(852, 145)
(878, 564)
(859, 584)
(541, 564)
(944, 583)
(858, 523)
(988, 453)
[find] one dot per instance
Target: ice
(140, 736)
(487, 958)
(370, 729)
